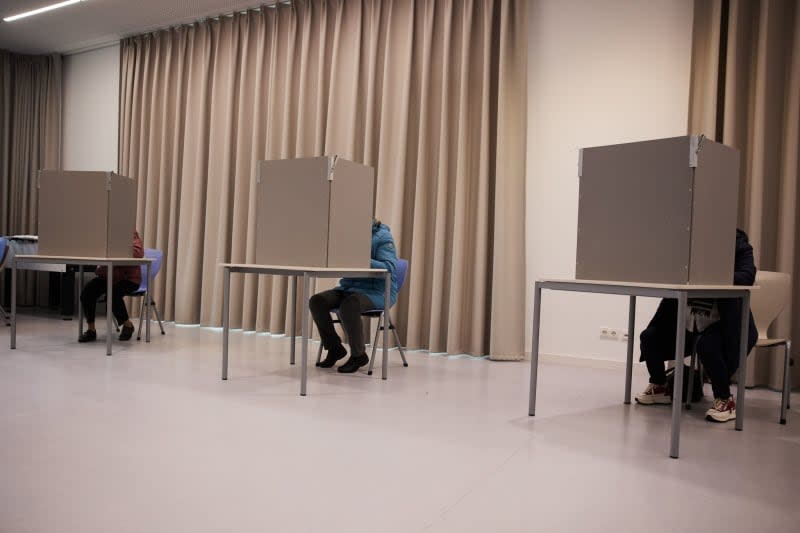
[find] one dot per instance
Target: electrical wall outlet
(613, 334)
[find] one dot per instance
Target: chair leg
(141, 316)
(374, 346)
(399, 346)
(786, 380)
(158, 317)
(5, 316)
(319, 353)
(690, 383)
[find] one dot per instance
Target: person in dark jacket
(716, 326)
(352, 297)
(126, 281)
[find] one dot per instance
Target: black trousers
(96, 288)
(719, 356)
(350, 305)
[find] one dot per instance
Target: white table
(307, 274)
(679, 292)
(108, 262)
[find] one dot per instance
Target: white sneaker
(655, 395)
(722, 410)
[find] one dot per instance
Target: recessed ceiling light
(44, 9)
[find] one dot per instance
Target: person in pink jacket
(126, 281)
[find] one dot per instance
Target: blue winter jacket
(383, 255)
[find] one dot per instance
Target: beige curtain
(746, 93)
(430, 93)
(30, 140)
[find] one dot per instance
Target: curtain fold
(430, 93)
(30, 140)
(755, 105)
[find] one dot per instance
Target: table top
(643, 285)
(292, 270)
(73, 260)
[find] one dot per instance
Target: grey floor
(150, 440)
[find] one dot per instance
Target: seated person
(718, 324)
(354, 296)
(126, 281)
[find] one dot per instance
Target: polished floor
(151, 440)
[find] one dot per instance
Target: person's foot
(723, 410)
(334, 354)
(655, 395)
(88, 336)
(354, 363)
(127, 332)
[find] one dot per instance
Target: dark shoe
(354, 363)
(88, 336)
(334, 354)
(127, 333)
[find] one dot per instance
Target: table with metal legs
(108, 262)
(679, 292)
(307, 274)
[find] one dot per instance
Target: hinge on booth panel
(332, 166)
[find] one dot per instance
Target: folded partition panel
(660, 211)
(314, 212)
(86, 214)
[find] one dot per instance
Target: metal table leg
(387, 283)
(147, 303)
(80, 304)
(537, 303)
(304, 322)
(109, 300)
(13, 305)
(293, 320)
(629, 361)
(226, 300)
(742, 376)
(787, 379)
(677, 388)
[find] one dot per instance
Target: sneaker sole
(721, 418)
(654, 401)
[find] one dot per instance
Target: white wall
(91, 109)
(600, 72)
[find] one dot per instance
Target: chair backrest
(769, 299)
(3, 250)
(157, 255)
(402, 270)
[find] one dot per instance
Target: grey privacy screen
(660, 211)
(314, 212)
(86, 214)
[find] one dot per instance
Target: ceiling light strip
(44, 9)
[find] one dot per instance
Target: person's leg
(657, 344)
(654, 344)
(89, 296)
(350, 311)
(321, 305)
(710, 350)
(123, 288)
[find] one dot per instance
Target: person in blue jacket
(716, 327)
(352, 297)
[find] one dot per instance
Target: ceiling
(93, 23)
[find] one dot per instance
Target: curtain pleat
(30, 140)
(760, 116)
(429, 93)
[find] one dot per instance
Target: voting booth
(314, 211)
(660, 211)
(86, 214)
